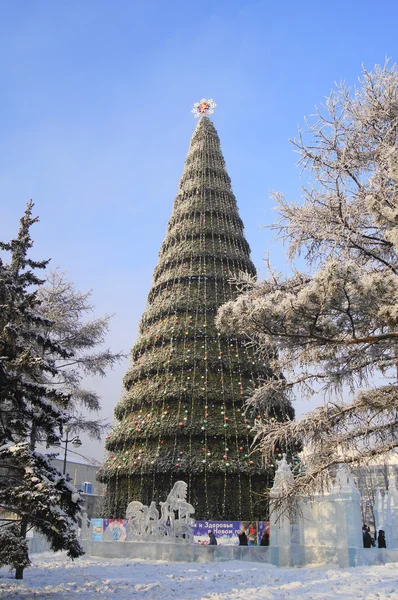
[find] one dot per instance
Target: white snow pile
(55, 577)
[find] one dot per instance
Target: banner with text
(226, 532)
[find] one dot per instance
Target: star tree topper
(204, 107)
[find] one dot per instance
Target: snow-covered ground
(55, 577)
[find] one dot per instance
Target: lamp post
(76, 442)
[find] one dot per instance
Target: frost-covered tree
(69, 311)
(335, 326)
(30, 487)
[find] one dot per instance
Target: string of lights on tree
(182, 413)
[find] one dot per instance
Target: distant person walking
(367, 538)
(264, 538)
(381, 539)
(212, 539)
(243, 541)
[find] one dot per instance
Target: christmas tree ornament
(204, 107)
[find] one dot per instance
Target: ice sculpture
(344, 482)
(137, 515)
(175, 520)
(283, 477)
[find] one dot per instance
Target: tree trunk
(24, 523)
(24, 528)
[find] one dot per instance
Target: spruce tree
(30, 487)
(182, 413)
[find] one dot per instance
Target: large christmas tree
(182, 416)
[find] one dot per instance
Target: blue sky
(95, 123)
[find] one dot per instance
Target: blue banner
(97, 527)
(226, 532)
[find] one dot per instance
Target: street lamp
(76, 442)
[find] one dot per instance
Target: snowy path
(54, 577)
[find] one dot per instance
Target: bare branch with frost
(335, 433)
(335, 326)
